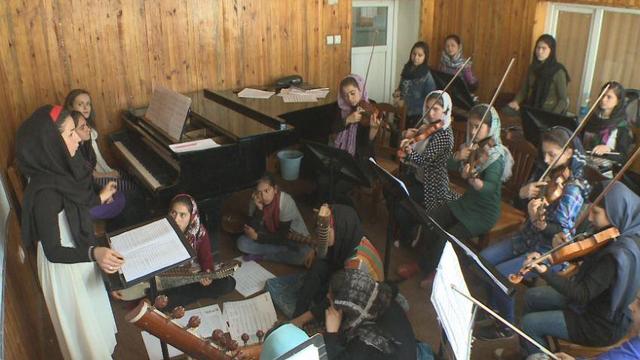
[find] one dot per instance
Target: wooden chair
(524, 158)
(575, 350)
(385, 155)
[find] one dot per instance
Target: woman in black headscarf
(348, 247)
(545, 86)
(364, 321)
(55, 215)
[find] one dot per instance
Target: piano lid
(233, 123)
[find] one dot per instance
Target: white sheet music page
(249, 93)
(299, 98)
(149, 248)
(455, 313)
(251, 277)
(249, 316)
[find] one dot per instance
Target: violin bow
(502, 320)
(373, 46)
(493, 100)
(584, 215)
(582, 124)
(457, 73)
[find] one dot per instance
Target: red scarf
(271, 214)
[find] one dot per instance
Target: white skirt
(78, 304)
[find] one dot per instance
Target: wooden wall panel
(120, 49)
(573, 32)
(492, 32)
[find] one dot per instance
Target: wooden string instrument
(426, 130)
(219, 346)
(178, 277)
(580, 246)
(320, 240)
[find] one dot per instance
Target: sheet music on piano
(168, 111)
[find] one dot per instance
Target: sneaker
(427, 280)
(252, 257)
(407, 271)
(497, 332)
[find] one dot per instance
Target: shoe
(427, 280)
(489, 333)
(407, 271)
(483, 319)
(252, 257)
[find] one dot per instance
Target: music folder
(149, 248)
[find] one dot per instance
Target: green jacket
(479, 210)
(556, 101)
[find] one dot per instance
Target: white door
(373, 20)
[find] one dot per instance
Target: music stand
(459, 91)
(314, 346)
(338, 163)
(535, 121)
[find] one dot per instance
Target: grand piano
(245, 138)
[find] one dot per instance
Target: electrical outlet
(332, 2)
(337, 39)
(329, 39)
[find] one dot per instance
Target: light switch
(332, 2)
(329, 39)
(337, 39)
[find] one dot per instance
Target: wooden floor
(421, 314)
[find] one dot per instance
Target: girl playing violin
(560, 215)
(478, 209)
(591, 308)
(355, 129)
(428, 181)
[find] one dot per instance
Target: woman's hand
(410, 133)
(117, 295)
(514, 105)
(108, 260)
(106, 194)
(476, 183)
(206, 281)
(533, 206)
(354, 117)
(563, 356)
(405, 145)
(600, 149)
(463, 153)
(333, 318)
(540, 268)
(250, 232)
(466, 171)
(257, 200)
(559, 239)
(531, 190)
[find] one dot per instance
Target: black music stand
(338, 163)
(535, 121)
(459, 91)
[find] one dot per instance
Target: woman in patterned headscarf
(184, 211)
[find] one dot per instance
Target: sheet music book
(299, 98)
(474, 256)
(150, 248)
(195, 145)
(455, 313)
(250, 93)
(250, 315)
(168, 111)
(251, 277)
(400, 182)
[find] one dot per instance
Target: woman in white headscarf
(427, 159)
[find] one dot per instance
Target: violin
(479, 155)
(554, 189)
(369, 111)
(424, 132)
(580, 246)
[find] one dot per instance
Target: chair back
(524, 158)
(632, 107)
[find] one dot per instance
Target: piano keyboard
(146, 175)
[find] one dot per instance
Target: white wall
(408, 30)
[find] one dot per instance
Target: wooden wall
(492, 32)
(120, 49)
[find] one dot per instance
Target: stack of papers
(193, 145)
(250, 277)
(239, 317)
(296, 94)
(250, 93)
